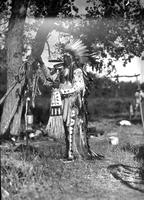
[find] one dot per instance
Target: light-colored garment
(70, 92)
(68, 98)
(76, 86)
(78, 81)
(56, 98)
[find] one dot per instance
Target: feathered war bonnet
(76, 50)
(75, 54)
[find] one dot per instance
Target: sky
(136, 66)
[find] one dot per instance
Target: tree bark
(41, 37)
(12, 108)
(14, 57)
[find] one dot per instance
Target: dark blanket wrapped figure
(68, 113)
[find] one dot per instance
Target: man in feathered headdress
(68, 108)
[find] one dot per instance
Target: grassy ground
(43, 176)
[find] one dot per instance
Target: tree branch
(127, 76)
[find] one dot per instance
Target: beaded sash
(56, 103)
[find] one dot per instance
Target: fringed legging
(71, 133)
(76, 139)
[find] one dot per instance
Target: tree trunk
(11, 116)
(41, 37)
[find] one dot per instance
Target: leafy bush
(108, 106)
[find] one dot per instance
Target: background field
(38, 173)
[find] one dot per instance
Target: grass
(97, 107)
(105, 107)
(40, 176)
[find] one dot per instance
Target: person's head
(67, 60)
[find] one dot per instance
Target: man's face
(67, 60)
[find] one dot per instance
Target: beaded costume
(68, 109)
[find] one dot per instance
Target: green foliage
(105, 87)
(129, 9)
(108, 107)
(120, 24)
(110, 29)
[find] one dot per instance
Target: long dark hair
(71, 63)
